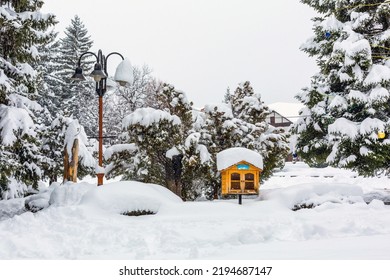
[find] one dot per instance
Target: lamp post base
(100, 177)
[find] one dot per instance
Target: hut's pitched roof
(231, 156)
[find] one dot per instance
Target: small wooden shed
(240, 169)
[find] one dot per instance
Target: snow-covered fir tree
(176, 103)
(227, 97)
(196, 164)
(186, 166)
(54, 124)
(77, 99)
(347, 104)
(23, 30)
(217, 130)
(258, 135)
(52, 138)
(247, 105)
(50, 84)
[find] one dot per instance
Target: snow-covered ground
(348, 220)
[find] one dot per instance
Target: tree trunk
(70, 168)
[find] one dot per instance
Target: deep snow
(350, 221)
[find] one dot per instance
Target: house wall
(226, 182)
(277, 120)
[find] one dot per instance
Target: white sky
(203, 46)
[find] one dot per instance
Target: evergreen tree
(23, 30)
(175, 102)
(184, 168)
(50, 84)
(77, 99)
(217, 132)
(52, 122)
(227, 97)
(257, 134)
(53, 146)
(247, 105)
(347, 103)
(197, 165)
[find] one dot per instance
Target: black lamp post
(99, 74)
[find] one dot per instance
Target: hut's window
(249, 181)
(235, 181)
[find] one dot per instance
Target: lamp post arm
(105, 63)
(116, 54)
(83, 54)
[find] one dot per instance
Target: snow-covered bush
(312, 195)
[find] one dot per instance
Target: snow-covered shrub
(129, 197)
(307, 196)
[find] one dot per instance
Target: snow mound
(10, 208)
(312, 195)
(128, 196)
(37, 202)
(69, 193)
(381, 195)
(377, 204)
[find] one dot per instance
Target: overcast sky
(203, 46)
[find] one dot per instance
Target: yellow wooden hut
(240, 169)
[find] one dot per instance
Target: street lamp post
(100, 75)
